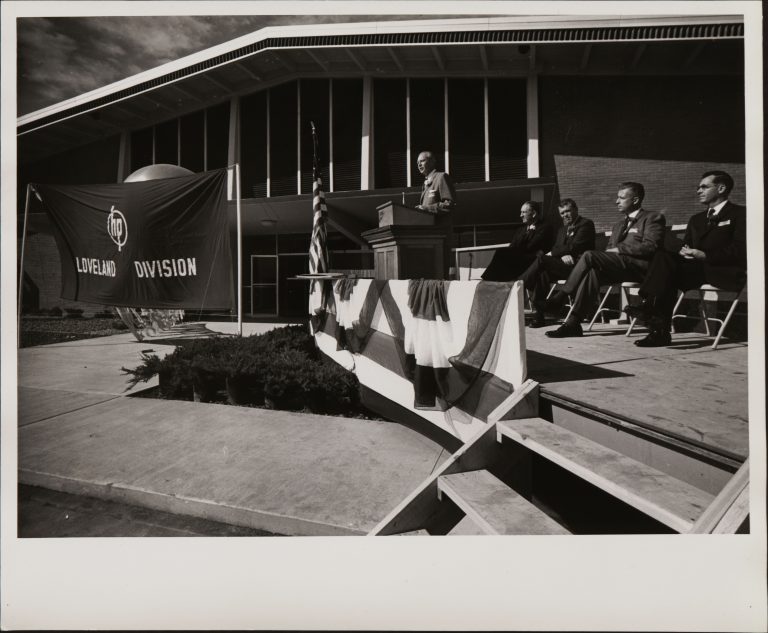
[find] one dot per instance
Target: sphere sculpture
(143, 322)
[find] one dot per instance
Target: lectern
(407, 244)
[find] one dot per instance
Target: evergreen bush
(280, 368)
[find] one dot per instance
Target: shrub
(56, 311)
(279, 368)
(74, 313)
(118, 324)
(105, 313)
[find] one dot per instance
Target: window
(218, 135)
(389, 133)
(466, 129)
(166, 142)
(253, 145)
(427, 122)
(507, 126)
(192, 142)
(141, 148)
(282, 131)
(314, 107)
(347, 132)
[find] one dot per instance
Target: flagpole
(21, 268)
(239, 255)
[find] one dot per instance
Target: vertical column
(330, 135)
(532, 119)
(486, 131)
(366, 142)
(407, 132)
(178, 141)
(205, 139)
(233, 144)
(298, 136)
(124, 157)
(154, 144)
(269, 144)
(445, 127)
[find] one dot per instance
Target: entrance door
(293, 293)
(264, 289)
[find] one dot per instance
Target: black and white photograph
(491, 271)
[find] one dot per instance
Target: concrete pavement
(286, 473)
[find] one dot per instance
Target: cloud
(60, 58)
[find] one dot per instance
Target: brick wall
(662, 131)
(670, 186)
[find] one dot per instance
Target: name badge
(724, 223)
(632, 231)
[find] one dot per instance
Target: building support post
(21, 268)
(366, 142)
(533, 125)
(124, 157)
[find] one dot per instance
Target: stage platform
(687, 390)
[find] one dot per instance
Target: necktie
(625, 228)
(711, 217)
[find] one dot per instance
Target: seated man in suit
(535, 237)
(634, 240)
(714, 252)
(575, 236)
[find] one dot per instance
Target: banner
(150, 244)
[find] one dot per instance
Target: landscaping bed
(48, 329)
(280, 369)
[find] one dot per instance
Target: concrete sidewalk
(286, 473)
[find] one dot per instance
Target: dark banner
(150, 244)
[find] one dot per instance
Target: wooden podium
(407, 244)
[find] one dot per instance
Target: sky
(62, 57)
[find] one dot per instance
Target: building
(517, 108)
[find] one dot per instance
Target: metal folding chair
(708, 292)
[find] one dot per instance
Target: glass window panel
(253, 145)
(347, 132)
(264, 270)
(218, 135)
(264, 300)
(507, 126)
(314, 107)
(192, 143)
(282, 126)
(389, 133)
(466, 129)
(166, 142)
(427, 122)
(141, 148)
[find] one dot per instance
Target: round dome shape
(156, 172)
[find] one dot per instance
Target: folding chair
(709, 292)
(625, 289)
(553, 287)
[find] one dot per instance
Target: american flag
(318, 249)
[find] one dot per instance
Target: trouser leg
(594, 269)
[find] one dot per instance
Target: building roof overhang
(490, 47)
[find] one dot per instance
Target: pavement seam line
(60, 413)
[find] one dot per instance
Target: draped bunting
(408, 328)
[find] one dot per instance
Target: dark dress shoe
(655, 338)
(565, 330)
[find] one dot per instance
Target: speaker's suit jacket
(645, 237)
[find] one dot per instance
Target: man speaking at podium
(438, 197)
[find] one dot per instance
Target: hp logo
(117, 227)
